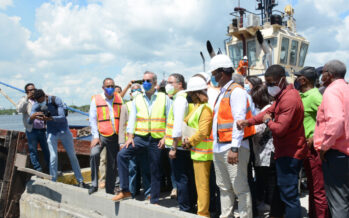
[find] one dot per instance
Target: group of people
(227, 137)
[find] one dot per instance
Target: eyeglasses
(147, 80)
(135, 90)
(30, 90)
(111, 86)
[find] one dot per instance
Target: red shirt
(287, 124)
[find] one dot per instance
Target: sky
(67, 48)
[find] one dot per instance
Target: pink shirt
(332, 122)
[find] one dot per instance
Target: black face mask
(189, 99)
(218, 77)
(297, 85)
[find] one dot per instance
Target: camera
(45, 111)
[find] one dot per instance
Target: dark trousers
(336, 176)
(215, 200)
(34, 137)
(318, 206)
(287, 172)
(142, 143)
(184, 178)
(112, 145)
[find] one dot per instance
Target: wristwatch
(173, 149)
(267, 121)
(234, 149)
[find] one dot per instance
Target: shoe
(148, 197)
(92, 190)
(102, 185)
(173, 194)
(82, 185)
(117, 190)
(122, 196)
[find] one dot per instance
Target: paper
(187, 131)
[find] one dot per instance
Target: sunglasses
(30, 90)
(135, 90)
(147, 80)
(111, 86)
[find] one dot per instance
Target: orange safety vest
(225, 118)
(242, 68)
(104, 122)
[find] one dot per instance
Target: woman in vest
(200, 118)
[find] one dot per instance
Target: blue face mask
(110, 91)
(213, 81)
(147, 86)
(247, 87)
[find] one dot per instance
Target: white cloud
(5, 3)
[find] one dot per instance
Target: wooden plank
(34, 172)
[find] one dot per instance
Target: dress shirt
(332, 126)
(238, 101)
(212, 94)
(93, 115)
(180, 110)
(149, 103)
(59, 122)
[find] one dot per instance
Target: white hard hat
(220, 61)
(206, 76)
(245, 58)
(196, 83)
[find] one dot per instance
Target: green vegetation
(8, 111)
(84, 108)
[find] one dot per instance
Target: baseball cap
(307, 72)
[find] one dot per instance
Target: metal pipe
(69, 108)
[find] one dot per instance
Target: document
(187, 131)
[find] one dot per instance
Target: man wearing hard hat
(243, 65)
(230, 145)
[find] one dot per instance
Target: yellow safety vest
(156, 123)
(204, 150)
(169, 124)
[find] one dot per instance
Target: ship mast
(266, 8)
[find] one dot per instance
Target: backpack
(65, 108)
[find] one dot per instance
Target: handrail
(69, 108)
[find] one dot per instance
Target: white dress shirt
(238, 101)
(180, 110)
(93, 115)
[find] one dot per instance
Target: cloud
(5, 3)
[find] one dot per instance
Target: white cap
(196, 83)
(245, 58)
(206, 76)
(220, 61)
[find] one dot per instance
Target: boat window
(251, 52)
(272, 41)
(235, 53)
(284, 50)
(302, 54)
(293, 53)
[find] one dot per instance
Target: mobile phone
(138, 81)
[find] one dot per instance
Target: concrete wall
(43, 198)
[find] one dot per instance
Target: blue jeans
(287, 173)
(150, 146)
(67, 140)
(34, 137)
(137, 167)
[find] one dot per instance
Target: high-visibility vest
(242, 68)
(156, 123)
(204, 150)
(225, 118)
(104, 121)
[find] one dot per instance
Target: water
(14, 122)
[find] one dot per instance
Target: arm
(258, 119)
(180, 109)
(334, 118)
(60, 110)
(132, 119)
(238, 101)
(93, 119)
(35, 110)
(123, 93)
(205, 126)
(122, 124)
(22, 105)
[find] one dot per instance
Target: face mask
(169, 89)
(147, 85)
(274, 90)
(320, 80)
(213, 81)
(247, 87)
(109, 91)
(297, 85)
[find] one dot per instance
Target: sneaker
(102, 185)
(173, 194)
(92, 190)
(82, 185)
(122, 196)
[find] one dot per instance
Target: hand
(322, 155)
(30, 95)
(44, 118)
(94, 142)
(130, 84)
(172, 154)
(161, 144)
(186, 143)
(129, 141)
(37, 115)
(310, 142)
(266, 116)
(233, 157)
(241, 124)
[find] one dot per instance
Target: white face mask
(274, 90)
(169, 89)
(320, 80)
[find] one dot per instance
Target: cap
(220, 61)
(308, 72)
(244, 58)
(319, 70)
(196, 83)
(206, 76)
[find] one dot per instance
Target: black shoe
(82, 185)
(92, 190)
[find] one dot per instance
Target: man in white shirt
(104, 121)
(231, 151)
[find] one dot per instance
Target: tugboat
(257, 41)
